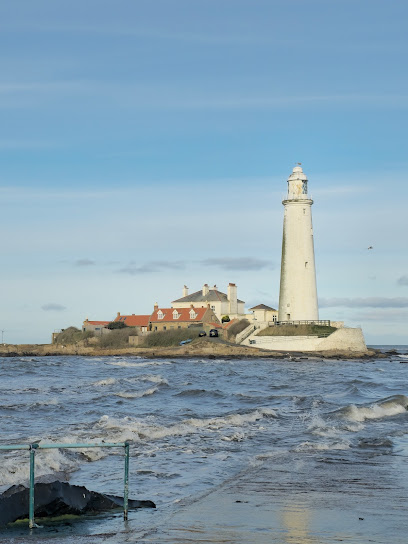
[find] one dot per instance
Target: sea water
(195, 423)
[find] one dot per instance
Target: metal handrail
(32, 449)
(325, 322)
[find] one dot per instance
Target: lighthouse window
(304, 187)
(306, 263)
(304, 211)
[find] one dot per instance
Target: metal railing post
(31, 522)
(126, 490)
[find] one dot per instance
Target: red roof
(229, 323)
(216, 325)
(184, 315)
(102, 323)
(134, 320)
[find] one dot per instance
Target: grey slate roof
(262, 307)
(213, 295)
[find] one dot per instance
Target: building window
(155, 328)
(176, 315)
(164, 328)
(193, 315)
(213, 308)
(160, 314)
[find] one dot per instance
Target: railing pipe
(16, 447)
(83, 445)
(126, 490)
(31, 523)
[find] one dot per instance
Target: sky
(146, 144)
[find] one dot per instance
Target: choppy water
(195, 423)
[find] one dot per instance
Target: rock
(58, 499)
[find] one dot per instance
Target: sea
(194, 424)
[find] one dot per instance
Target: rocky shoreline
(202, 348)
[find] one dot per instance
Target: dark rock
(58, 499)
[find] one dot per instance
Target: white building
(298, 293)
(220, 303)
(262, 314)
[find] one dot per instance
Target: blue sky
(145, 145)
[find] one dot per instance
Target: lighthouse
(298, 292)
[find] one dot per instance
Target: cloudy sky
(146, 144)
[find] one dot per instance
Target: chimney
(191, 305)
(232, 298)
(156, 307)
(215, 288)
(206, 290)
(185, 291)
(118, 315)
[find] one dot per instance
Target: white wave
(139, 365)
(106, 381)
(155, 379)
(388, 407)
(15, 469)
(132, 429)
(125, 364)
(321, 446)
(138, 394)
(319, 427)
(236, 437)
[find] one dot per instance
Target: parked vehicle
(213, 332)
(202, 333)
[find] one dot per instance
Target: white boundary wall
(344, 339)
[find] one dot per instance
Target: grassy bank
(297, 330)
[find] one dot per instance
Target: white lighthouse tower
(298, 293)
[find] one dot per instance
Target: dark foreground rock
(58, 499)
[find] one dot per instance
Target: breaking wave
(138, 394)
(137, 430)
(391, 406)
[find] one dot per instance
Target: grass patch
(297, 330)
(170, 338)
(236, 328)
(118, 338)
(72, 335)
